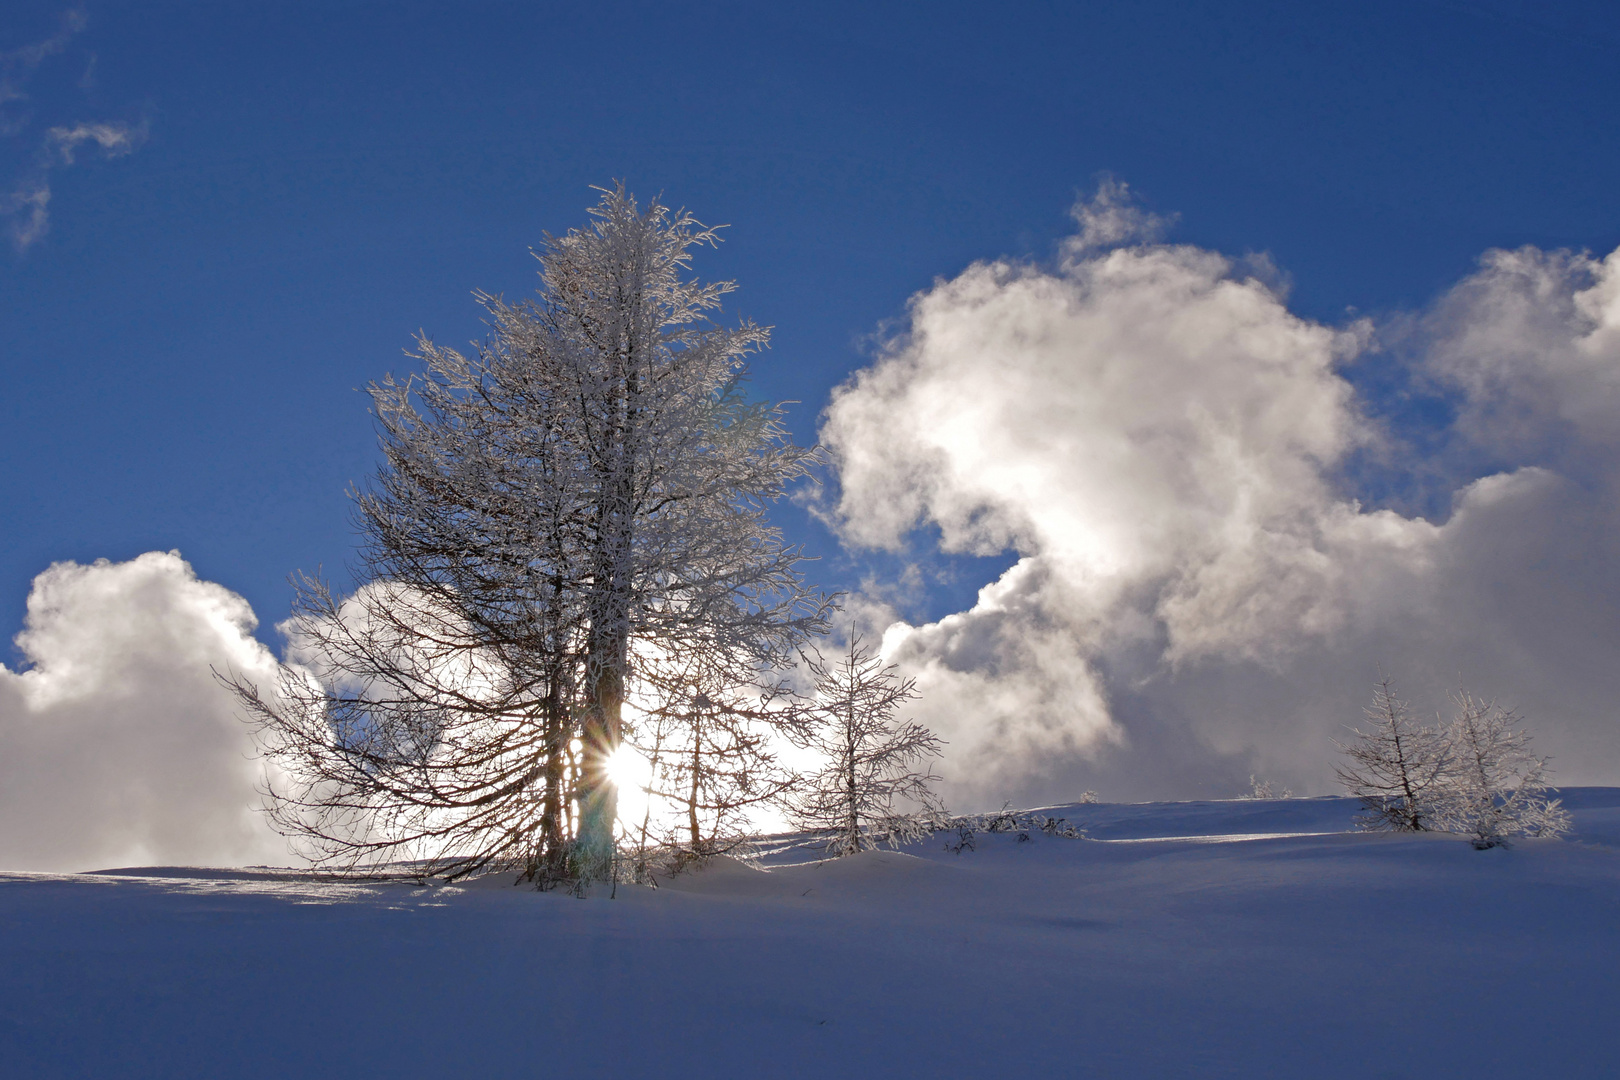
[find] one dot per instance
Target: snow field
(1250, 938)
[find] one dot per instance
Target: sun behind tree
(589, 485)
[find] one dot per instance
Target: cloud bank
(1200, 592)
(117, 748)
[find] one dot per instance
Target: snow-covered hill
(1242, 939)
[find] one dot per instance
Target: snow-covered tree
(874, 765)
(1497, 787)
(1265, 789)
(1396, 768)
(591, 482)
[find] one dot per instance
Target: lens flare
(631, 774)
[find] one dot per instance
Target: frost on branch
(1497, 787)
(874, 765)
(1478, 777)
(1396, 768)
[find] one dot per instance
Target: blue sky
(1206, 502)
(181, 347)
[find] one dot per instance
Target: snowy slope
(1242, 939)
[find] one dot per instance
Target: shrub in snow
(1262, 789)
(1396, 768)
(966, 836)
(1002, 821)
(1058, 827)
(873, 764)
(1021, 824)
(1496, 787)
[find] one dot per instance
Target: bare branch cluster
(1022, 824)
(711, 734)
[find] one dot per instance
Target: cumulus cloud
(1112, 217)
(1529, 345)
(1197, 596)
(117, 746)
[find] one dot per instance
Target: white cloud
(1530, 343)
(1160, 440)
(117, 746)
(115, 139)
(18, 65)
(28, 203)
(1111, 218)
(32, 201)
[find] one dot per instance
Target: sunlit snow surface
(1292, 948)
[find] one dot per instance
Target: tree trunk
(697, 764)
(598, 797)
(852, 825)
(553, 838)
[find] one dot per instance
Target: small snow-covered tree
(1396, 768)
(1265, 789)
(1497, 787)
(874, 764)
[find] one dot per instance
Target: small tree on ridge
(1497, 788)
(872, 762)
(1396, 768)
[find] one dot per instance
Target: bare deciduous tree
(710, 729)
(1396, 767)
(873, 763)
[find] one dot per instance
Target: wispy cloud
(17, 66)
(27, 205)
(1112, 218)
(115, 139)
